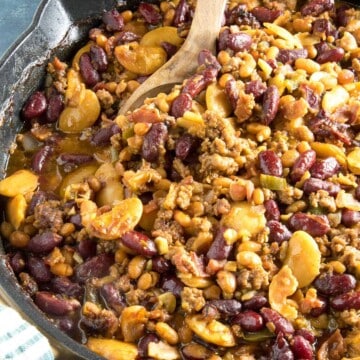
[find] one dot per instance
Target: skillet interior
(58, 28)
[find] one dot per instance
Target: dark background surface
(15, 18)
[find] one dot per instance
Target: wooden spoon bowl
(204, 30)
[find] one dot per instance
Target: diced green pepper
(272, 182)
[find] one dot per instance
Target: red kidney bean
(240, 16)
(63, 285)
(272, 211)
(324, 168)
(303, 163)
(346, 301)
(144, 343)
(334, 284)
(239, 41)
(255, 87)
(281, 324)
(315, 225)
(139, 243)
(310, 96)
(207, 59)
(270, 104)
(287, 56)
(264, 14)
(335, 55)
(316, 7)
(278, 232)
(44, 242)
(306, 334)
(113, 20)
(323, 308)
(98, 58)
(97, 266)
(232, 92)
(54, 304)
(185, 146)
(54, 108)
(219, 249)
(194, 85)
(270, 163)
(313, 185)
(76, 220)
(170, 49)
(256, 302)
(40, 158)
(38, 270)
(209, 74)
(17, 262)
(342, 18)
(350, 218)
(181, 103)
(281, 349)
(301, 348)
(87, 248)
(160, 264)
(182, 13)
(66, 324)
(249, 320)
(223, 39)
(173, 284)
(90, 76)
(229, 307)
(150, 13)
(35, 106)
(124, 37)
(67, 159)
(321, 26)
(153, 139)
(103, 136)
(112, 297)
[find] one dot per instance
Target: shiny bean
(181, 103)
(153, 140)
(90, 76)
(139, 243)
(303, 163)
(281, 325)
(249, 320)
(219, 249)
(270, 104)
(324, 168)
(278, 232)
(315, 225)
(316, 7)
(149, 13)
(97, 266)
(44, 242)
(98, 58)
(38, 270)
(55, 305)
(113, 20)
(270, 163)
(346, 301)
(272, 211)
(35, 106)
(313, 185)
(334, 284)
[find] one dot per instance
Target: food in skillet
(219, 221)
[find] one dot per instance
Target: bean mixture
(217, 221)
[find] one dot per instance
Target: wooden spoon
(204, 30)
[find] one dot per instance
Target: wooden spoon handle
(204, 30)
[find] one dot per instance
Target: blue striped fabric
(19, 340)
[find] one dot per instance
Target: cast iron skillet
(58, 28)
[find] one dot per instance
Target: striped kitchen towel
(19, 340)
